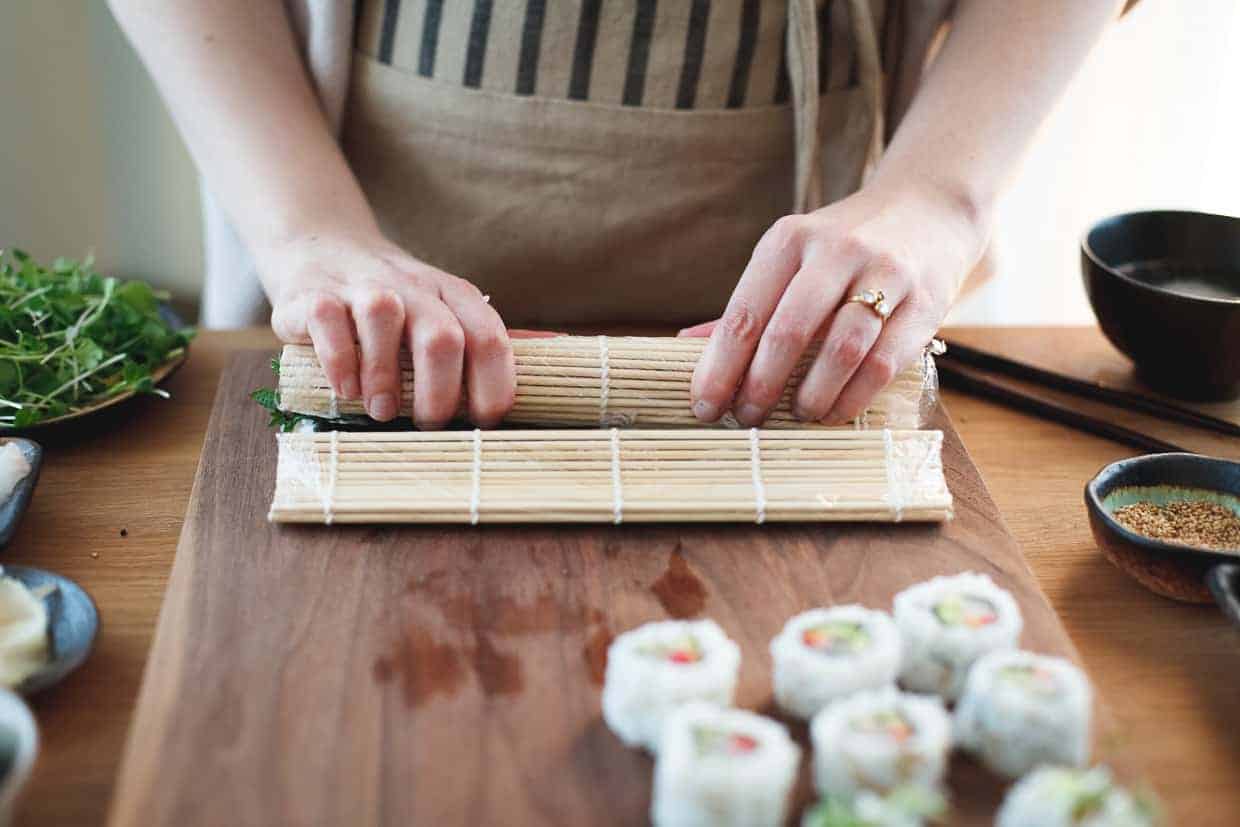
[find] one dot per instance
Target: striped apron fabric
(591, 161)
(682, 54)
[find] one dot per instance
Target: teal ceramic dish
(1163, 478)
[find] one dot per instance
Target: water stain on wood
(502, 615)
(595, 654)
(424, 667)
(680, 591)
(498, 673)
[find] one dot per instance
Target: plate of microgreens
(73, 342)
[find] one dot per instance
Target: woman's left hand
(916, 245)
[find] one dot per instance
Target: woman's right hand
(358, 301)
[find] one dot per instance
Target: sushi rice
(1067, 797)
(825, 654)
(657, 667)
(949, 622)
(723, 768)
(1020, 710)
(880, 740)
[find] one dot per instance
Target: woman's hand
(359, 300)
(915, 246)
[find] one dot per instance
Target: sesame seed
(1190, 522)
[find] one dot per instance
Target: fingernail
(750, 414)
(429, 426)
(351, 389)
(705, 411)
(382, 406)
(802, 414)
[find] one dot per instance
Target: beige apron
(571, 212)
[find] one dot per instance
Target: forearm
(999, 74)
(236, 86)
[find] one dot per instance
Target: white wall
(90, 162)
(1153, 120)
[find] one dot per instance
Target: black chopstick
(951, 376)
(994, 363)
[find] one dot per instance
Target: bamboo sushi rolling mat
(610, 476)
(607, 381)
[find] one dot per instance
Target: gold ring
(875, 300)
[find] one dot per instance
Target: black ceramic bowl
(1176, 570)
(1165, 287)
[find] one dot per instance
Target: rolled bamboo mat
(610, 476)
(610, 381)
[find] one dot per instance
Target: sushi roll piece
(949, 622)
(825, 654)
(880, 740)
(657, 667)
(1020, 710)
(1068, 797)
(723, 768)
(902, 807)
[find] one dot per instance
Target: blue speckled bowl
(73, 625)
(14, 506)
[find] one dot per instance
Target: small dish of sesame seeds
(1172, 521)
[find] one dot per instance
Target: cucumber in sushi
(1020, 710)
(825, 654)
(880, 740)
(946, 624)
(657, 667)
(1068, 797)
(723, 768)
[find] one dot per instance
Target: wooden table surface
(108, 511)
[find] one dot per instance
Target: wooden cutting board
(437, 676)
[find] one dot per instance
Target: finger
(331, 332)
(437, 343)
(812, 295)
(732, 342)
(379, 317)
(851, 333)
(698, 331)
(902, 340)
(490, 371)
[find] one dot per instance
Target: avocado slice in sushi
(837, 638)
(686, 650)
(710, 741)
(1031, 678)
(888, 723)
(965, 610)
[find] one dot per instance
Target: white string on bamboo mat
(895, 490)
(333, 471)
(475, 488)
(604, 379)
(617, 489)
(755, 468)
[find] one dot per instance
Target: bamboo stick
(610, 381)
